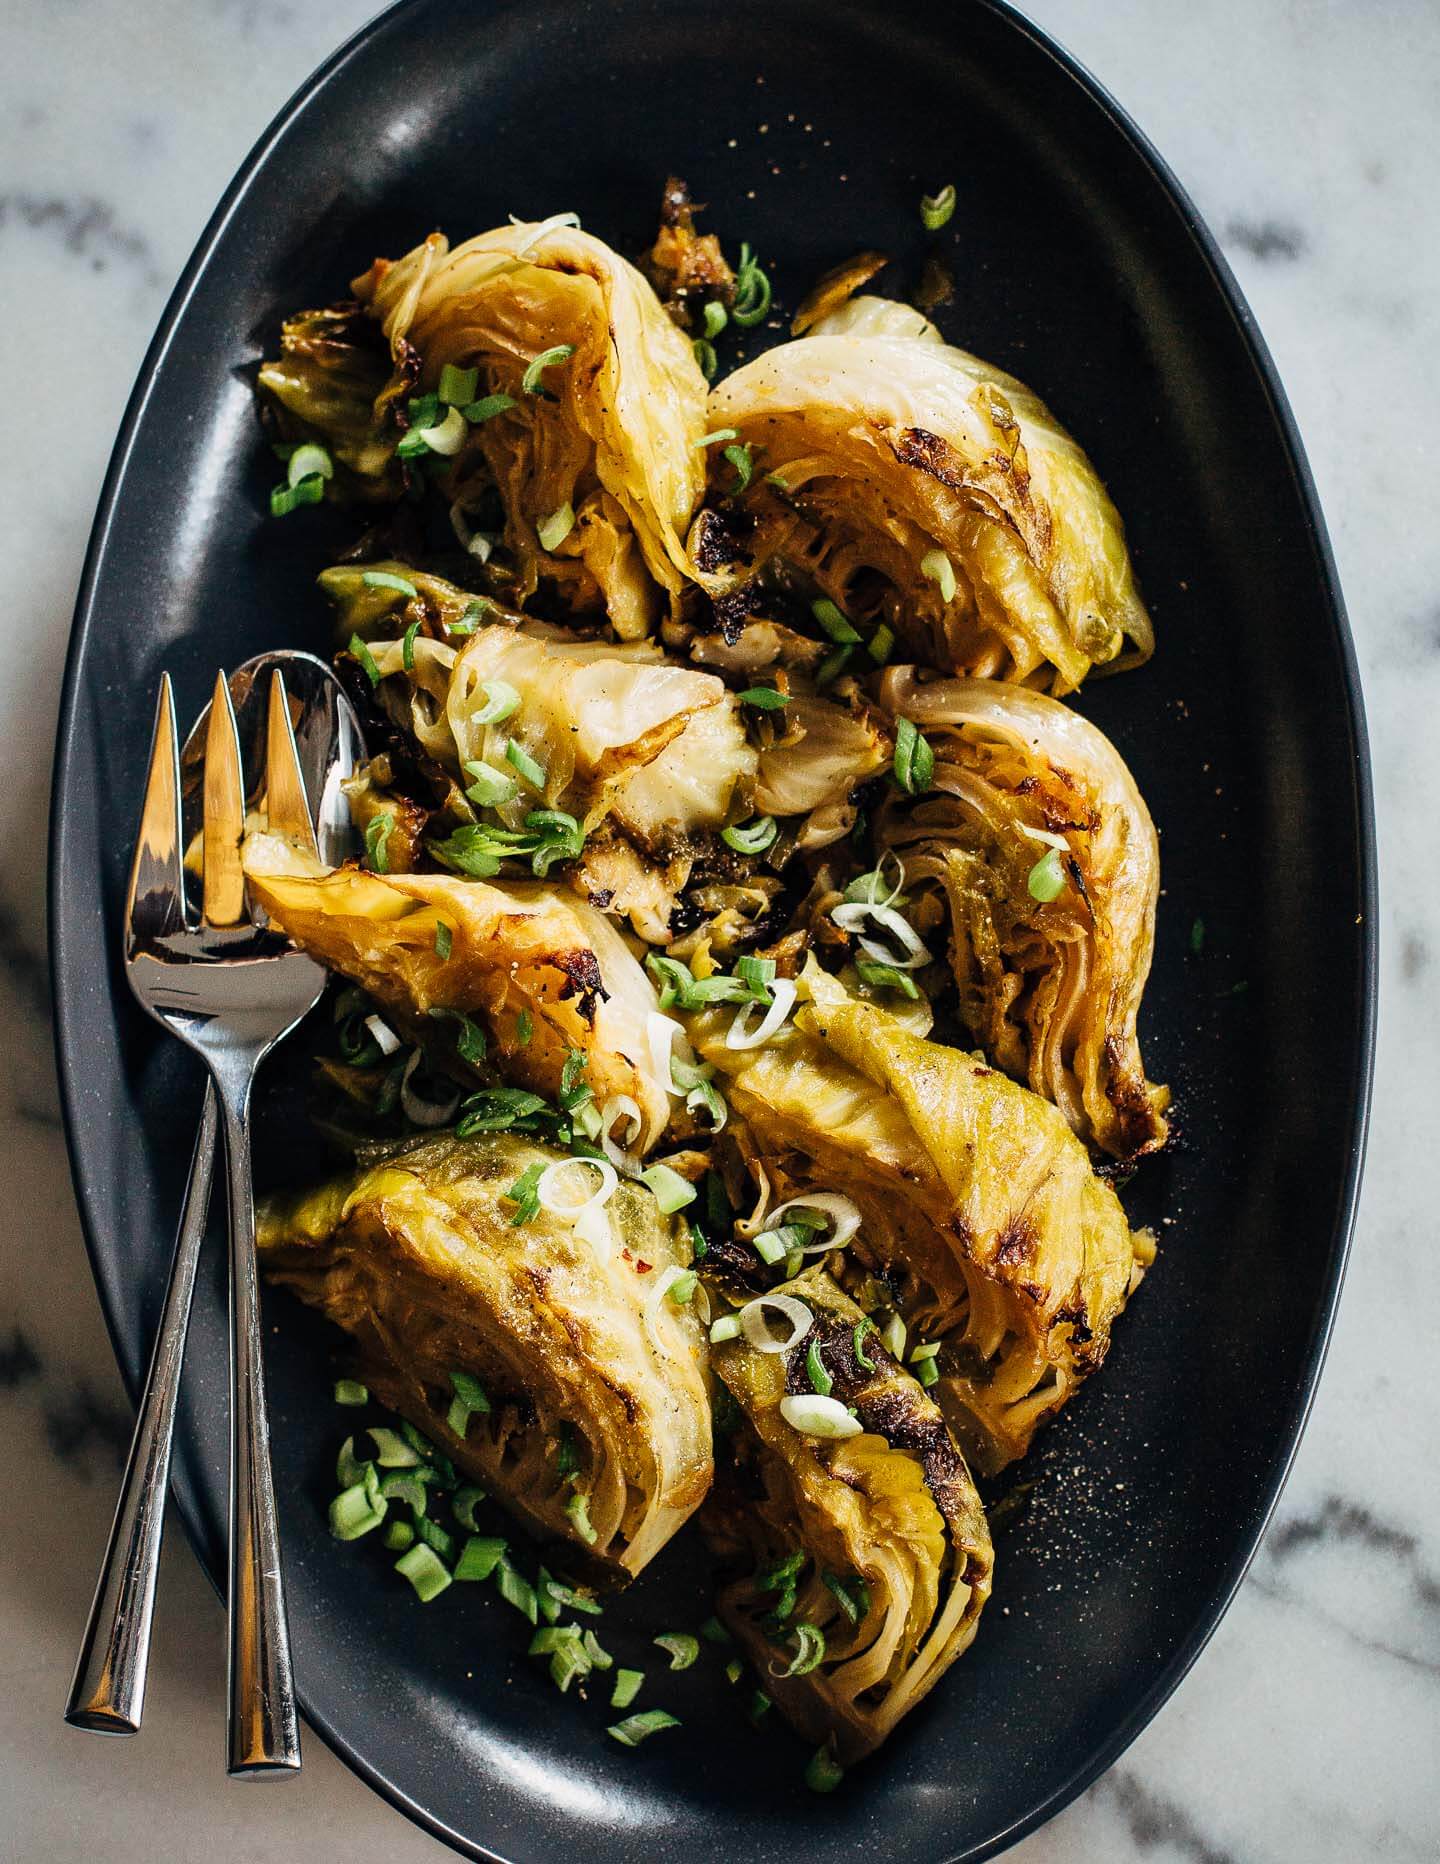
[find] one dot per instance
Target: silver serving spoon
(108, 1691)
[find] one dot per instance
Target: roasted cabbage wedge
(877, 1541)
(619, 731)
(418, 1257)
(542, 973)
(977, 1201)
(1050, 988)
(894, 467)
(606, 435)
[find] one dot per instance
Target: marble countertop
(1309, 134)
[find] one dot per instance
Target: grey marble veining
(1310, 136)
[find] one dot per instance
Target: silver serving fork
(230, 989)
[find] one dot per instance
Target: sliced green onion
(383, 579)
(490, 787)
(468, 850)
(720, 433)
(809, 1641)
(475, 613)
(524, 1193)
(892, 1337)
(391, 1450)
(926, 1350)
(577, 1510)
(436, 1538)
(764, 698)
(366, 658)
(833, 665)
(554, 1595)
(936, 209)
(354, 1512)
(501, 699)
(425, 1572)
(682, 1290)
(716, 318)
(778, 480)
(727, 1327)
(752, 837)
(479, 1557)
(1047, 878)
(823, 1773)
(516, 1589)
(487, 408)
(348, 1468)
(938, 567)
(846, 1596)
(627, 1688)
(820, 1379)
(742, 458)
(600, 1658)
(524, 1028)
(463, 1504)
(881, 644)
(857, 1344)
(405, 1485)
(637, 1728)
(520, 759)
(672, 1192)
(914, 760)
(553, 531)
(770, 1246)
(497, 1110)
(757, 975)
(547, 359)
(704, 353)
(734, 1670)
(752, 291)
(378, 831)
(407, 647)
(833, 621)
(287, 498)
(457, 386)
(567, 1454)
(886, 977)
(398, 1536)
(714, 1632)
(681, 1646)
(927, 1372)
(444, 940)
(759, 1707)
(469, 1041)
(309, 462)
(351, 1391)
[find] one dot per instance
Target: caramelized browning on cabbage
(893, 452)
(419, 1260)
(880, 1537)
(1050, 987)
(977, 1201)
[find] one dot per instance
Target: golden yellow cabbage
(976, 1199)
(1050, 988)
(895, 451)
(893, 1509)
(611, 437)
(418, 1259)
(524, 950)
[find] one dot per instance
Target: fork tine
(286, 804)
(224, 813)
(155, 903)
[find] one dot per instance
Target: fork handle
(108, 1691)
(264, 1728)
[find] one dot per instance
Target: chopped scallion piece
(547, 359)
(469, 1040)
(425, 1571)
(524, 1193)
(714, 1632)
(515, 1588)
(348, 1468)
(444, 940)
(520, 759)
(637, 1728)
(759, 1707)
(407, 647)
(881, 644)
(398, 1536)
(457, 386)
(1047, 878)
(742, 458)
(823, 1773)
(941, 571)
(886, 977)
(809, 1642)
(715, 317)
(479, 1558)
(435, 1537)
(287, 498)
(672, 1192)
(727, 1327)
(353, 1512)
(524, 1028)
(489, 787)
(914, 760)
(706, 359)
(486, 409)
(857, 1344)
(752, 291)
(752, 837)
(391, 1450)
(309, 462)
(720, 433)
(770, 1245)
(627, 1688)
(501, 699)
(682, 1290)
(927, 1372)
(351, 1391)
(577, 1510)
(383, 579)
(734, 1670)
(600, 1658)
(936, 209)
(682, 1647)
(820, 1379)
(378, 831)
(475, 613)
(831, 619)
(366, 658)
(553, 531)
(764, 698)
